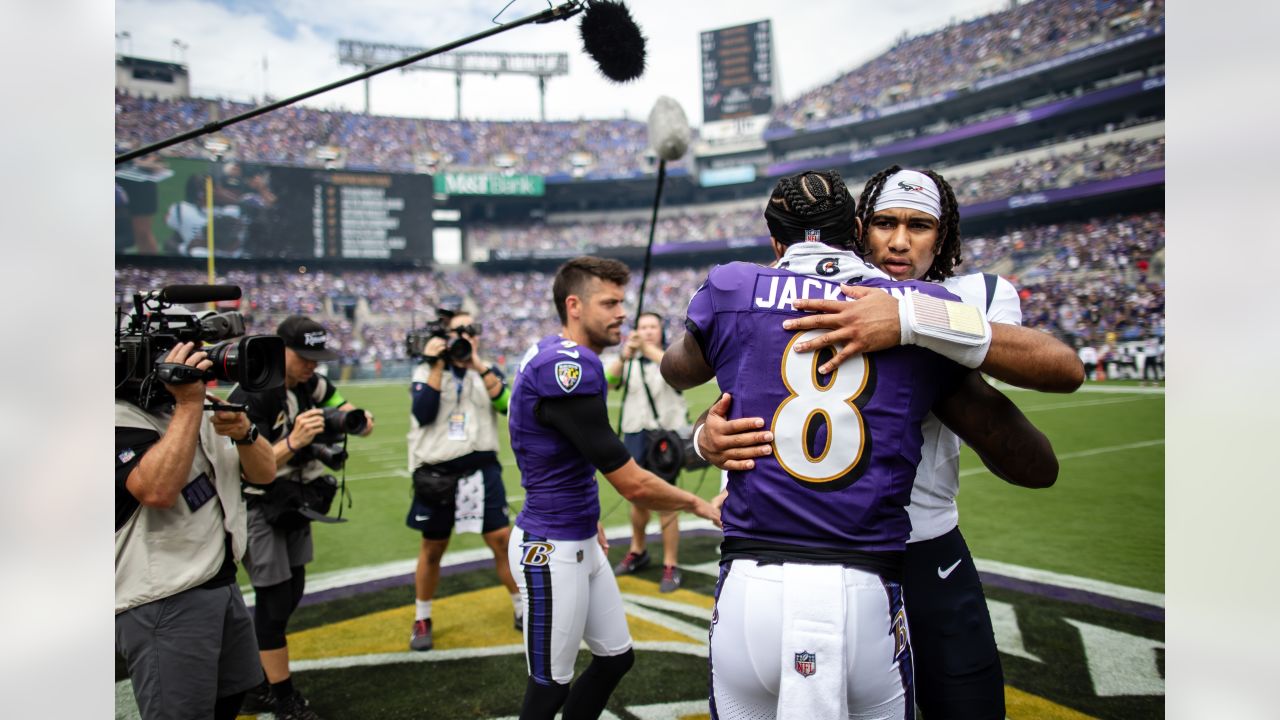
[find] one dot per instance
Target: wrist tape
(697, 432)
(952, 329)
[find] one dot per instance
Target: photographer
(453, 444)
(293, 419)
(181, 624)
(650, 404)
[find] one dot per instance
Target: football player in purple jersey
(912, 232)
(809, 619)
(560, 435)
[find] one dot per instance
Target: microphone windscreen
(186, 294)
(613, 40)
(668, 129)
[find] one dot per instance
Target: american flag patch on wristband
(947, 318)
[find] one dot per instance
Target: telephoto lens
(339, 422)
(256, 362)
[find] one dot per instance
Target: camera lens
(338, 422)
(333, 457)
(460, 349)
(255, 362)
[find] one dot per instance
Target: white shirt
(933, 508)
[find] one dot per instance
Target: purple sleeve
(569, 372)
(699, 319)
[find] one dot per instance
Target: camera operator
(181, 624)
(291, 417)
(453, 444)
(650, 404)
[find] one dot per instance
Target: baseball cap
(306, 337)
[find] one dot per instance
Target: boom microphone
(668, 129)
(613, 40)
(187, 294)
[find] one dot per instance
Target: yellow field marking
(1021, 705)
(476, 619)
(481, 618)
(638, 586)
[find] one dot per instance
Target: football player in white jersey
(912, 232)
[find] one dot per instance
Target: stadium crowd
(916, 67)
(1091, 163)
(962, 54)
(391, 144)
(1078, 280)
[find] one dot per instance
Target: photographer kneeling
(453, 451)
(181, 624)
(299, 420)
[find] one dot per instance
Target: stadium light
(540, 65)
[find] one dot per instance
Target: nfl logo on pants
(806, 663)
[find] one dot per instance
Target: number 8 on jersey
(843, 457)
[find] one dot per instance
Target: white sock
(517, 604)
(424, 609)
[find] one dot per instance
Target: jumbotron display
(263, 211)
(737, 71)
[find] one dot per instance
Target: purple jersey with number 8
(846, 445)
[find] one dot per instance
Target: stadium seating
(916, 67)
(959, 55)
(1078, 280)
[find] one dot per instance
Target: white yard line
(1089, 388)
(1079, 454)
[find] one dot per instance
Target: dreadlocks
(948, 244)
(813, 205)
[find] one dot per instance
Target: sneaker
(421, 637)
(670, 579)
(633, 562)
(295, 708)
(519, 623)
(258, 700)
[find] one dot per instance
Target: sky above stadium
(243, 49)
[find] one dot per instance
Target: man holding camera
(181, 624)
(649, 404)
(295, 419)
(453, 453)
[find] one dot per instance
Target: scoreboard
(737, 72)
(294, 213)
(369, 215)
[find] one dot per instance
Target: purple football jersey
(846, 445)
(562, 500)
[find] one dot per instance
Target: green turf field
(1104, 519)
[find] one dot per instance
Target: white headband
(910, 189)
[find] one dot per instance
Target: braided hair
(947, 247)
(816, 199)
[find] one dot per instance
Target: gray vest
(161, 552)
(431, 444)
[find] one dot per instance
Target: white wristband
(952, 329)
(697, 432)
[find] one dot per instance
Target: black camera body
(330, 446)
(256, 362)
(457, 348)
